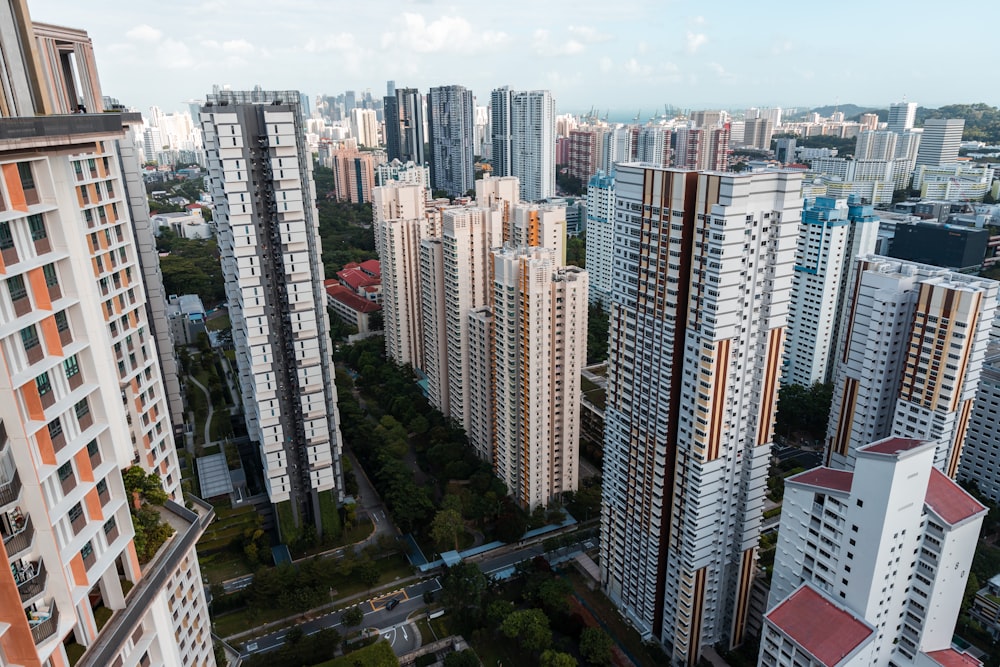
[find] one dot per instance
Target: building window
(29, 336)
(87, 550)
(65, 471)
(62, 322)
(15, 284)
(81, 409)
(42, 384)
(55, 428)
(27, 178)
(6, 238)
(92, 450)
(109, 525)
(37, 226)
(71, 366)
(102, 486)
(51, 277)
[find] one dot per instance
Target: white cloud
(588, 34)
(695, 40)
(722, 72)
(446, 34)
(698, 20)
(237, 46)
(605, 64)
(340, 42)
(544, 45)
(144, 33)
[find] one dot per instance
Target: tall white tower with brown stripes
(699, 308)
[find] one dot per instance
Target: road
(391, 624)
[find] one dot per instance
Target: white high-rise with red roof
(871, 564)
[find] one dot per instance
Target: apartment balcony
(30, 580)
(43, 628)
(20, 540)
(10, 490)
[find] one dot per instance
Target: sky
(626, 56)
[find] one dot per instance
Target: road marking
(403, 630)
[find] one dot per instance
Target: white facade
(540, 347)
(832, 234)
(409, 173)
(924, 330)
(981, 456)
(860, 539)
(401, 223)
(702, 278)
(940, 141)
(600, 237)
(433, 322)
(878, 145)
(542, 225)
(524, 140)
(262, 187)
(364, 127)
(902, 116)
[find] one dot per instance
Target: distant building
(364, 127)
(186, 315)
(409, 173)
(954, 182)
(524, 140)
(364, 279)
(784, 151)
(353, 175)
(189, 225)
(451, 121)
(601, 236)
(404, 125)
(939, 144)
(981, 457)
(952, 247)
(901, 116)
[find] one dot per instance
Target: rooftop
(893, 446)
(351, 300)
(356, 278)
(828, 632)
(949, 501)
(950, 657)
(825, 478)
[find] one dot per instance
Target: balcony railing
(10, 490)
(42, 630)
(21, 540)
(33, 582)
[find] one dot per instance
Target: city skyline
(639, 58)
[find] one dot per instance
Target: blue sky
(624, 55)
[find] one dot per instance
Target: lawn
(378, 654)
(218, 323)
(587, 385)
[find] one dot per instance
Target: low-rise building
(186, 315)
(349, 307)
(190, 225)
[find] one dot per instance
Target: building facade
(925, 330)
(600, 236)
(540, 347)
(404, 126)
(833, 233)
(980, 461)
(858, 539)
(939, 142)
(524, 140)
(260, 174)
(451, 119)
(699, 307)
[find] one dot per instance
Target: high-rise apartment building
(875, 145)
(450, 112)
(260, 174)
(901, 116)
(364, 127)
(401, 223)
(697, 326)
(618, 147)
(404, 125)
(540, 347)
(653, 145)
(757, 133)
(871, 564)
(913, 342)
(353, 174)
(524, 140)
(586, 150)
(832, 234)
(83, 396)
(940, 140)
(601, 237)
(981, 457)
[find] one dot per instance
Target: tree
(576, 251)
(595, 646)
(465, 658)
(552, 658)
(447, 526)
(498, 611)
(143, 487)
(353, 616)
(530, 627)
(463, 587)
(368, 573)
(598, 330)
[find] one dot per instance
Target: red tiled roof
(820, 627)
(892, 446)
(825, 478)
(948, 500)
(949, 657)
(356, 278)
(372, 266)
(352, 300)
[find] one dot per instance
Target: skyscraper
(832, 234)
(540, 347)
(83, 397)
(451, 118)
(913, 342)
(601, 237)
(757, 134)
(940, 140)
(981, 458)
(260, 175)
(404, 126)
(871, 564)
(875, 146)
(698, 319)
(364, 127)
(524, 140)
(901, 116)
